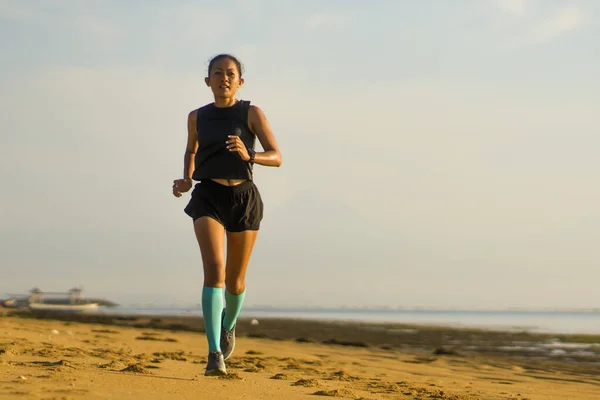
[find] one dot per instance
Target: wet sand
(83, 357)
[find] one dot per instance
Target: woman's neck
(225, 101)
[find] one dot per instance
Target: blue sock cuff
(233, 307)
(211, 290)
(228, 293)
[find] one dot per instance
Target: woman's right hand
(181, 186)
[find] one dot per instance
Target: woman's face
(224, 78)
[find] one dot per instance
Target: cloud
(534, 30)
(564, 20)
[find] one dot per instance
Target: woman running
(225, 202)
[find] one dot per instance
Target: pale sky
(435, 153)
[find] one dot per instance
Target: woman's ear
(207, 80)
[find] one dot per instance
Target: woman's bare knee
(210, 235)
(214, 274)
(235, 286)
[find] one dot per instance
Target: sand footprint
(231, 376)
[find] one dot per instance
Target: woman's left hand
(235, 144)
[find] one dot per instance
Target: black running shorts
(238, 208)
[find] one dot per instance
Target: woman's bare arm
(259, 125)
(191, 147)
(184, 184)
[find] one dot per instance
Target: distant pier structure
(73, 296)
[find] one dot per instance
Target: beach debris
(254, 322)
(254, 352)
(54, 332)
(279, 376)
(21, 378)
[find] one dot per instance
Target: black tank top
(213, 160)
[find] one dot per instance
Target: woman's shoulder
(204, 108)
(255, 111)
(198, 111)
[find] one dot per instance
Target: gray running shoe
(216, 364)
(227, 339)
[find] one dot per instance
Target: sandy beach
(133, 358)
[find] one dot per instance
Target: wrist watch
(252, 153)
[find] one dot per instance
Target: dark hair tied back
(216, 58)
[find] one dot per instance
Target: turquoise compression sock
(212, 306)
(233, 308)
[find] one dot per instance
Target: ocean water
(573, 322)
